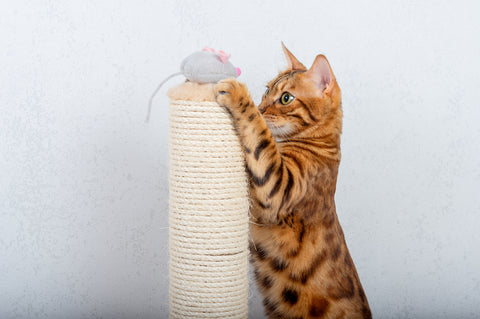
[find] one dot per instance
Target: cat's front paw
(232, 94)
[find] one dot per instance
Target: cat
(301, 262)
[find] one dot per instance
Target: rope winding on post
(208, 239)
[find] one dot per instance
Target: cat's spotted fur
(301, 261)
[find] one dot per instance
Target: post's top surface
(192, 91)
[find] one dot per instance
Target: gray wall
(83, 181)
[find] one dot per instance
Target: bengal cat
(292, 143)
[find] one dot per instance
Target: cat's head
(302, 101)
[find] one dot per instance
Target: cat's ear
(321, 73)
(293, 63)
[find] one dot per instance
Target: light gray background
(83, 181)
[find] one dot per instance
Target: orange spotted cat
(292, 143)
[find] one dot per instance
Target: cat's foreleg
(271, 180)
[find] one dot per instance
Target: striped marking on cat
(260, 181)
(309, 112)
(262, 146)
(285, 76)
(262, 205)
(296, 161)
(305, 275)
(289, 186)
(278, 183)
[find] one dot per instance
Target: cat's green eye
(286, 98)
(267, 90)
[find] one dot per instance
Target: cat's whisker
(256, 223)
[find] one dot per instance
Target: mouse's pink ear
(223, 56)
(208, 49)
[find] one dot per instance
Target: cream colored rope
(208, 214)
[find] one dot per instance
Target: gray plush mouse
(206, 66)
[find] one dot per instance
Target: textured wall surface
(83, 181)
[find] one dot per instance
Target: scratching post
(208, 237)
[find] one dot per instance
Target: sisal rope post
(208, 218)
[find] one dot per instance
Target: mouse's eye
(286, 98)
(267, 90)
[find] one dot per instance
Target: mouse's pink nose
(238, 71)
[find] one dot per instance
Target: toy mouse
(206, 66)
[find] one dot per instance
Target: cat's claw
(226, 87)
(229, 92)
